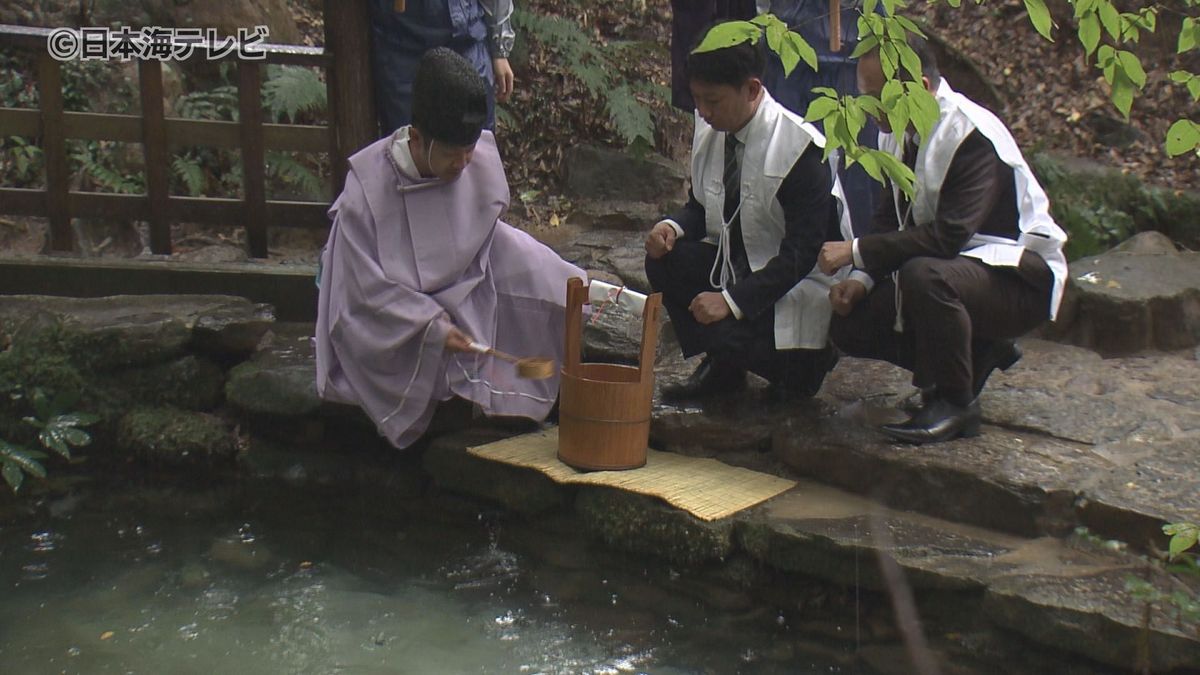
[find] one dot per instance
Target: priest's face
(447, 162)
(726, 107)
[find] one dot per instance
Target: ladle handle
(484, 349)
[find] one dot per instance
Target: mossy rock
(522, 490)
(641, 524)
(259, 387)
(190, 383)
(1099, 207)
(174, 437)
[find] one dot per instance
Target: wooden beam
(254, 172)
(352, 103)
(20, 122)
(54, 151)
(154, 149)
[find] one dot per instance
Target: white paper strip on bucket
(631, 301)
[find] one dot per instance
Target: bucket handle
(577, 294)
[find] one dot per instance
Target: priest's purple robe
(406, 260)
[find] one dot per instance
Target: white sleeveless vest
(775, 140)
(1039, 233)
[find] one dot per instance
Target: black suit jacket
(810, 217)
(978, 195)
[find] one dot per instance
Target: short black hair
(729, 65)
(449, 98)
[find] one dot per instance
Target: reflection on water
(187, 580)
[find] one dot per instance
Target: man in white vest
(737, 264)
(972, 262)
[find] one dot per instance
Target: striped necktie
(733, 176)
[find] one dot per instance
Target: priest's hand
(844, 295)
(709, 307)
(835, 255)
(661, 240)
(457, 341)
(503, 73)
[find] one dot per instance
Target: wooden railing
(159, 135)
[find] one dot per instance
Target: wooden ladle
(529, 368)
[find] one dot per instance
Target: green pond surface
(136, 576)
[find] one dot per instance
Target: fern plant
(293, 93)
(598, 69)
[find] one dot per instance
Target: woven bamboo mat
(705, 488)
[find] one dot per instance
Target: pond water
(135, 577)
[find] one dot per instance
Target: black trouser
(953, 310)
(744, 344)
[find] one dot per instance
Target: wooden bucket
(604, 409)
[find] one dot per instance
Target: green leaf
(1122, 92)
(73, 420)
(1089, 32)
(775, 33)
(1110, 18)
(869, 7)
(910, 60)
(923, 108)
(835, 132)
(728, 34)
(801, 46)
(20, 456)
(53, 439)
(888, 58)
(826, 91)
(1084, 6)
(856, 119)
(870, 164)
(1182, 542)
(1133, 68)
(820, 108)
(909, 26)
(1149, 19)
(864, 46)
(1181, 76)
(1182, 137)
(1193, 87)
(1188, 34)
(13, 476)
(76, 437)
(1040, 16)
(896, 171)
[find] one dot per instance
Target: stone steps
(1071, 440)
(1067, 594)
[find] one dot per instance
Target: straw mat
(705, 488)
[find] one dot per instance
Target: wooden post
(54, 148)
(577, 295)
(835, 26)
(650, 320)
(352, 103)
(254, 175)
(154, 150)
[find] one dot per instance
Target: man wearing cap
(419, 266)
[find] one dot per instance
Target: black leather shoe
(913, 403)
(1001, 354)
(709, 378)
(938, 421)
